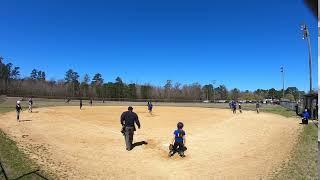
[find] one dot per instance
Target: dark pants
(18, 115)
(304, 121)
(128, 136)
(234, 110)
(178, 147)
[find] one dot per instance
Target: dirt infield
(88, 144)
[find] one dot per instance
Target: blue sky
(237, 43)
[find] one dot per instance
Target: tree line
(37, 85)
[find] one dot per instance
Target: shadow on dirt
(139, 144)
(25, 120)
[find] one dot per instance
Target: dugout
(310, 101)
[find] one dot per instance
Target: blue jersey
(234, 105)
(179, 134)
(306, 115)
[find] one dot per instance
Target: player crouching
(178, 142)
(305, 117)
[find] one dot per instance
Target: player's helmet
(18, 102)
(130, 108)
(180, 125)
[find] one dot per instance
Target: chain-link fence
(292, 105)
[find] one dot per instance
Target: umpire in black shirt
(127, 121)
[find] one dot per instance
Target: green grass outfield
(9, 104)
(302, 164)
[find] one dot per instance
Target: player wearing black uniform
(240, 108)
(258, 107)
(150, 106)
(127, 120)
(18, 110)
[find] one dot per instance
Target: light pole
(282, 73)
(306, 35)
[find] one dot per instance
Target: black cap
(130, 108)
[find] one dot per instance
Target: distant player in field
(30, 103)
(68, 100)
(240, 107)
(258, 107)
(150, 106)
(234, 107)
(18, 110)
(178, 141)
(90, 101)
(80, 103)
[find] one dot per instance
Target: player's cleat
(171, 147)
(170, 154)
(182, 154)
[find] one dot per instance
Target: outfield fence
(299, 108)
(117, 99)
(291, 105)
